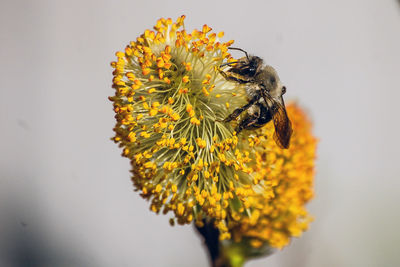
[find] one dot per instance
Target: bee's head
(254, 64)
(247, 66)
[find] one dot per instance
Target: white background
(65, 193)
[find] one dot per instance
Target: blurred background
(66, 198)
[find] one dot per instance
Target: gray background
(65, 193)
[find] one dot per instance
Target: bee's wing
(283, 126)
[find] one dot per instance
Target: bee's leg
(248, 123)
(229, 63)
(238, 111)
(231, 78)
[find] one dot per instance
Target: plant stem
(220, 255)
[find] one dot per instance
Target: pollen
(189, 108)
(185, 79)
(170, 103)
(188, 66)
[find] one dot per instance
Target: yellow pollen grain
(146, 71)
(153, 112)
(195, 121)
(180, 209)
(189, 108)
(174, 188)
(201, 143)
(158, 188)
(175, 116)
(205, 92)
(185, 79)
(155, 104)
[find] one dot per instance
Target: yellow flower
(170, 103)
(278, 212)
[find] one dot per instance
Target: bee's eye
(272, 80)
(249, 71)
(283, 90)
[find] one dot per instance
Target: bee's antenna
(235, 48)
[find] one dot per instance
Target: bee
(264, 91)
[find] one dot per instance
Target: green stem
(234, 255)
(221, 255)
(228, 253)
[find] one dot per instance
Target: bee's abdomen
(265, 115)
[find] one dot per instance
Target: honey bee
(264, 91)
